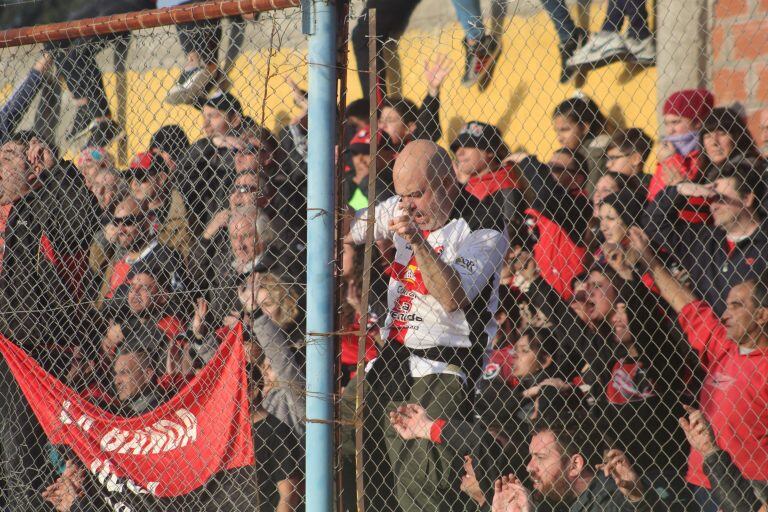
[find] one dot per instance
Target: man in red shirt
(733, 351)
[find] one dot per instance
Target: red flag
(168, 451)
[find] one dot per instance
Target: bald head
(424, 158)
(424, 180)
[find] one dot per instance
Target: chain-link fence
(549, 261)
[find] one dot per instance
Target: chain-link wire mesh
(550, 261)
(154, 213)
(568, 229)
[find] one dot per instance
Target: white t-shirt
(415, 317)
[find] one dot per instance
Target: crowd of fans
(568, 334)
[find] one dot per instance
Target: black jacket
(37, 308)
(732, 491)
(204, 174)
(703, 250)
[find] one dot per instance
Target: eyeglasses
(246, 189)
(612, 158)
(128, 220)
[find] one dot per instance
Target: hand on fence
(112, 339)
(698, 431)
(620, 260)
(616, 465)
(516, 158)
(640, 250)
(199, 326)
(216, 224)
(666, 150)
(405, 227)
(510, 496)
(436, 71)
(469, 483)
(40, 156)
(411, 422)
(63, 493)
(534, 391)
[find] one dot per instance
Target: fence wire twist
(551, 290)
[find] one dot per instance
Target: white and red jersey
(474, 242)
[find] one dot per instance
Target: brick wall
(739, 42)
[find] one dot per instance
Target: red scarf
(490, 183)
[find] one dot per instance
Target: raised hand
(411, 422)
(436, 71)
(686, 188)
(641, 245)
(616, 466)
(698, 431)
(469, 483)
(510, 496)
(405, 227)
(616, 257)
(199, 327)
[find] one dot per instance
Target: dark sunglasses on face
(559, 169)
(249, 149)
(128, 220)
(141, 175)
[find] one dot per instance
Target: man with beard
(136, 244)
(566, 470)
(150, 184)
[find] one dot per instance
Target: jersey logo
(491, 371)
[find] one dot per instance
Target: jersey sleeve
(704, 331)
(384, 212)
(480, 257)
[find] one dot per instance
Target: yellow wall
(519, 100)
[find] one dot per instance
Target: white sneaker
(602, 46)
(643, 50)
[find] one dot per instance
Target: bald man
(441, 298)
(763, 133)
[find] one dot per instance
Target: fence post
(320, 255)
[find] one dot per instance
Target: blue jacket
(17, 105)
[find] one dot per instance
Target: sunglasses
(249, 149)
(142, 175)
(559, 169)
(128, 220)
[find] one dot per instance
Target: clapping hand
(510, 496)
(616, 466)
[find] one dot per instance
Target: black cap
(171, 139)
(224, 102)
(482, 136)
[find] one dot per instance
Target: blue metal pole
(320, 255)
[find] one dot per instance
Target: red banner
(169, 451)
